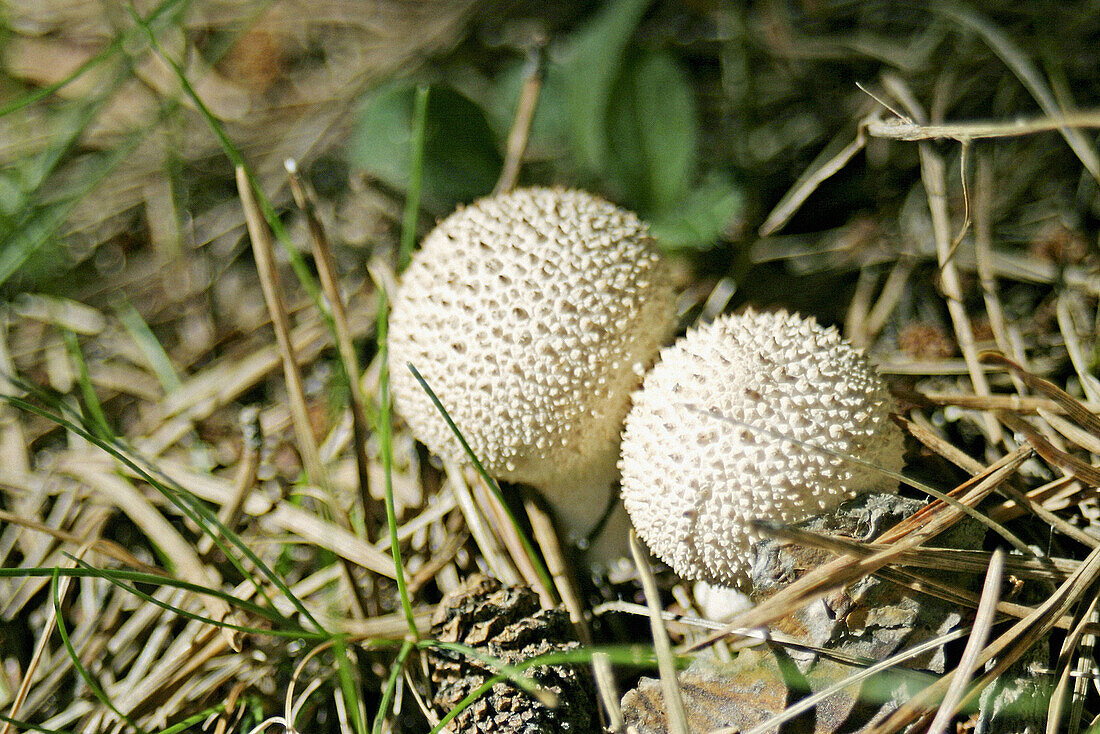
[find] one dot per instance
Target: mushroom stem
(591, 517)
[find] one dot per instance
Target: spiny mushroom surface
(692, 482)
(532, 315)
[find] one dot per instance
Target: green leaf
(652, 132)
(701, 218)
(461, 160)
(549, 136)
(592, 66)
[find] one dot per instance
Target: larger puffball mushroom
(532, 315)
(692, 482)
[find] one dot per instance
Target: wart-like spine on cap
(532, 315)
(692, 482)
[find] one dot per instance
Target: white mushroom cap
(692, 482)
(532, 315)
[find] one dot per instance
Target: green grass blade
(149, 344)
(509, 672)
(232, 600)
(160, 13)
(349, 688)
(467, 702)
(71, 120)
(36, 226)
(140, 577)
(385, 440)
(187, 503)
(528, 547)
(416, 177)
(37, 222)
(194, 719)
(93, 685)
(632, 655)
(27, 726)
(391, 685)
(87, 390)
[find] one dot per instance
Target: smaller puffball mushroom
(693, 482)
(533, 315)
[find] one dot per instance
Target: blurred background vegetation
(700, 115)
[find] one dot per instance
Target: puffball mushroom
(693, 482)
(532, 315)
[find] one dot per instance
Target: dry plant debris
(508, 624)
(945, 218)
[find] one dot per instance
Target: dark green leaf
(652, 137)
(701, 217)
(461, 160)
(551, 126)
(592, 66)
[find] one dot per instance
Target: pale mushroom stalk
(693, 484)
(533, 315)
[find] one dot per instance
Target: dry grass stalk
(381, 626)
(609, 692)
(1022, 502)
(230, 513)
(39, 649)
(1047, 515)
(282, 515)
(542, 528)
(1079, 636)
(1071, 432)
(666, 663)
(824, 167)
(326, 270)
(867, 670)
(486, 540)
(1078, 412)
(1018, 61)
(508, 535)
(1026, 404)
(979, 633)
(440, 559)
(108, 548)
(1054, 456)
(909, 131)
(892, 291)
(938, 515)
(946, 559)
(926, 523)
(898, 572)
(160, 668)
(229, 377)
(516, 145)
(1053, 496)
(935, 185)
(263, 250)
(180, 553)
(326, 534)
(983, 255)
(1006, 648)
(1069, 331)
